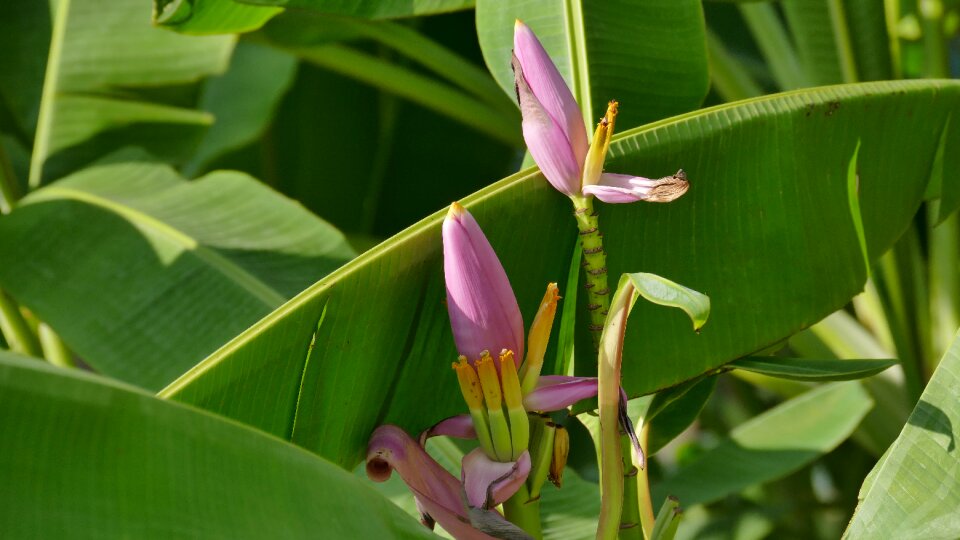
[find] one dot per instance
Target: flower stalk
(594, 265)
(523, 510)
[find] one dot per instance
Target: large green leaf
(148, 273)
(106, 50)
(912, 491)
(372, 9)
(211, 16)
(243, 100)
(649, 55)
(771, 445)
(85, 457)
(766, 228)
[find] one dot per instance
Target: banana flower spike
(485, 317)
(556, 136)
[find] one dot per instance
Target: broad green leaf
(819, 28)
(769, 188)
(107, 50)
(243, 100)
(648, 55)
(810, 369)
(125, 464)
(771, 445)
(663, 292)
(211, 16)
(372, 9)
(912, 490)
(149, 273)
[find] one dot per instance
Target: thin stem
(15, 328)
(775, 45)
(9, 186)
(630, 522)
(524, 512)
(943, 265)
(54, 349)
(41, 142)
(594, 264)
(841, 38)
(728, 76)
(643, 487)
(936, 58)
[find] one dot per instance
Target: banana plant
(275, 352)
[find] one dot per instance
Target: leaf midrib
(260, 290)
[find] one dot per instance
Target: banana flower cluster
(501, 384)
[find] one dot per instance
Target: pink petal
(620, 188)
(483, 311)
(555, 392)
(460, 427)
(550, 89)
(623, 188)
(546, 140)
(500, 480)
(436, 490)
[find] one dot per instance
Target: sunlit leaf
(149, 273)
(769, 187)
(211, 16)
(106, 50)
(911, 491)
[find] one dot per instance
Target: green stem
(630, 523)
(15, 328)
(728, 76)
(608, 400)
(54, 349)
(936, 57)
(594, 264)
(524, 512)
(642, 479)
(775, 46)
(41, 141)
(9, 187)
